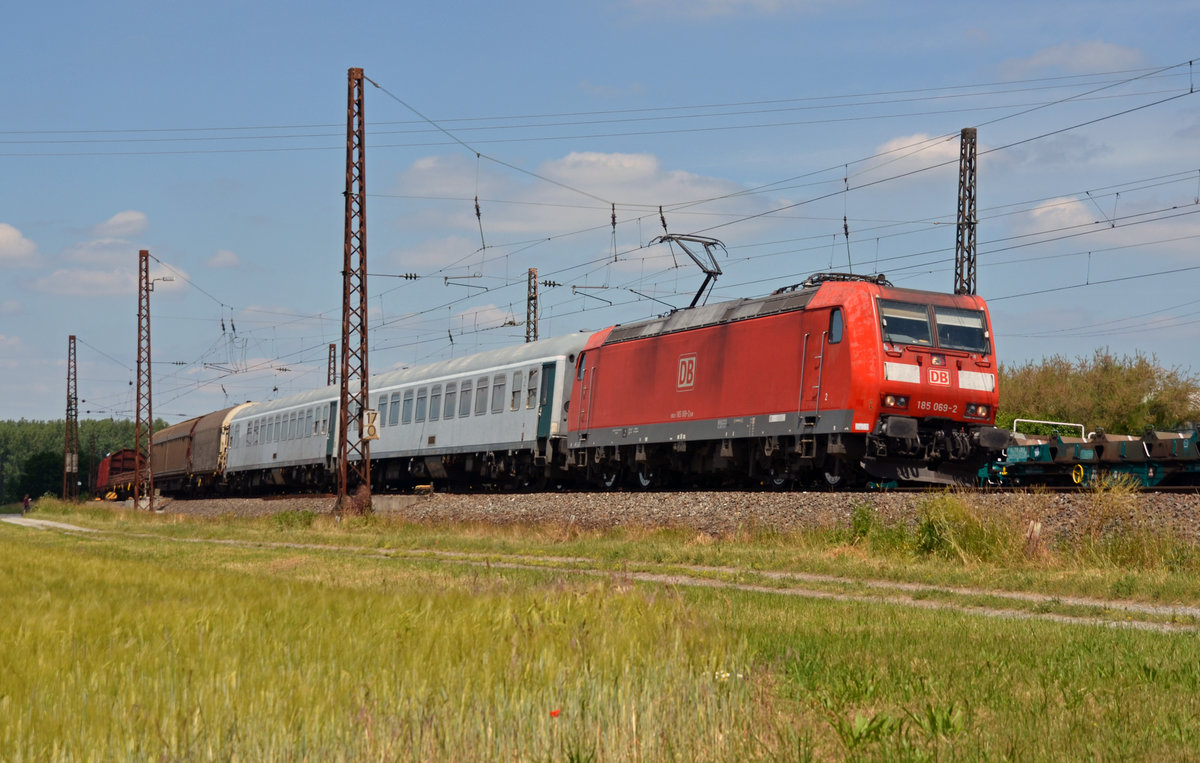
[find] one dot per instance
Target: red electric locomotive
(842, 377)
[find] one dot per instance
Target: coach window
(435, 402)
(270, 436)
(835, 325)
(481, 396)
(498, 385)
(393, 411)
(309, 429)
(383, 410)
(406, 410)
(291, 426)
(451, 401)
(532, 390)
(422, 402)
(464, 399)
(516, 392)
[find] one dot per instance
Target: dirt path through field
(985, 602)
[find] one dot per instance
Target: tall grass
(120, 656)
(131, 645)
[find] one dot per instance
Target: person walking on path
(25, 505)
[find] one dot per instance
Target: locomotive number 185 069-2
(926, 405)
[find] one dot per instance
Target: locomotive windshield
(949, 328)
(959, 329)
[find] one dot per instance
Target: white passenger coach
(496, 415)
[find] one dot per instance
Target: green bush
(1124, 395)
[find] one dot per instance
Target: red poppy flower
(554, 713)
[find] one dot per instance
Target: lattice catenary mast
(70, 489)
(354, 454)
(143, 483)
(964, 246)
(531, 308)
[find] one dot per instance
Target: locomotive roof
(723, 312)
(782, 300)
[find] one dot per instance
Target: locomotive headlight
(977, 410)
(895, 401)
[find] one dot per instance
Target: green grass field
(298, 638)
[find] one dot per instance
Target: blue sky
(213, 135)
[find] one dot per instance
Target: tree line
(1119, 394)
(31, 453)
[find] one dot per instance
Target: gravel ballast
(724, 513)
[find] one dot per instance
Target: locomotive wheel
(779, 480)
(838, 474)
(610, 479)
(646, 478)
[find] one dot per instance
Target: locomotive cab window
(582, 366)
(959, 329)
(835, 325)
(905, 323)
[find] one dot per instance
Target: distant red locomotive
(841, 377)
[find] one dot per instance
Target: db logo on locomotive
(939, 376)
(687, 372)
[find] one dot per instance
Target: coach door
(546, 401)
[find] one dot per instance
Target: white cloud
(122, 224)
(926, 146)
(576, 198)
(10, 307)
(103, 251)
(15, 249)
(1076, 57)
(88, 283)
(9, 342)
(224, 258)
